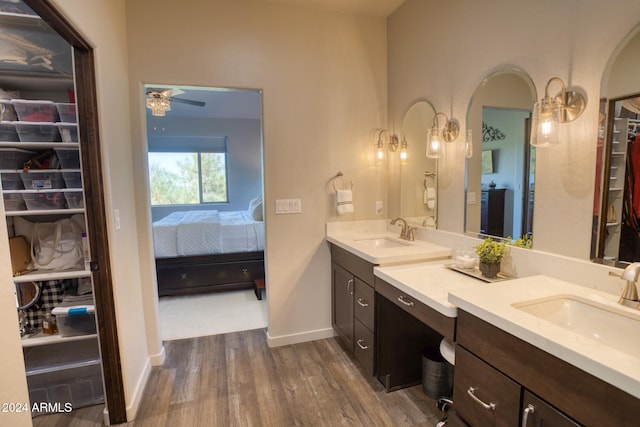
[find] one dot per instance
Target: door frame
(95, 208)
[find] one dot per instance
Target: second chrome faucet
(407, 232)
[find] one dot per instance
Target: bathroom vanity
(515, 364)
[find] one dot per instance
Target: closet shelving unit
(60, 370)
(615, 189)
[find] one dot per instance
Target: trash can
(437, 374)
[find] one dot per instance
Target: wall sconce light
(404, 154)
(549, 113)
(386, 137)
(437, 135)
(468, 145)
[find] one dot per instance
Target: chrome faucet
(629, 295)
(407, 232)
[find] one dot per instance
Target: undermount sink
(599, 322)
(382, 243)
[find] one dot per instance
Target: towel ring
(339, 176)
(427, 175)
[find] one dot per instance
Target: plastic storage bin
(75, 199)
(69, 158)
(11, 181)
(42, 180)
(67, 112)
(35, 111)
(45, 200)
(68, 132)
(74, 321)
(8, 132)
(72, 179)
(37, 132)
(14, 158)
(66, 389)
(13, 202)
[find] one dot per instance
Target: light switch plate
(288, 206)
(471, 198)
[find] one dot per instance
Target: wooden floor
(237, 380)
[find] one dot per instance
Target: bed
(208, 251)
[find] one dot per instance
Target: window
(188, 178)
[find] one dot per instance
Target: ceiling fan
(159, 101)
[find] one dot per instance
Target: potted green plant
(490, 254)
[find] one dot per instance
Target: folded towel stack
(344, 201)
(430, 197)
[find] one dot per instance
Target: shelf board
(38, 145)
(63, 367)
(612, 224)
(44, 212)
(43, 275)
(44, 339)
(616, 189)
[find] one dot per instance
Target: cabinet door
(537, 412)
(342, 287)
(483, 396)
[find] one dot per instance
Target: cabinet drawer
(364, 304)
(438, 322)
(543, 414)
(356, 265)
(363, 348)
(483, 396)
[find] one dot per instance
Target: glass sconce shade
(380, 151)
(546, 120)
(434, 143)
(468, 145)
(404, 154)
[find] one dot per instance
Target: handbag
(20, 255)
(57, 245)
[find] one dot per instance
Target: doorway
(204, 150)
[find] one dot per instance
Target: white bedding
(207, 232)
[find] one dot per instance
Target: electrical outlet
(471, 198)
(379, 207)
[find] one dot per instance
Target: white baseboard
(132, 408)
(158, 359)
(298, 338)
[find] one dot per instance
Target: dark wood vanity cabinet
(353, 305)
(494, 367)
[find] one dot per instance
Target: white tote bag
(56, 245)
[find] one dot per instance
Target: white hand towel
(344, 201)
(431, 204)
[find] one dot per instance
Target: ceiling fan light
(158, 105)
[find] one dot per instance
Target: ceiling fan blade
(188, 102)
(172, 92)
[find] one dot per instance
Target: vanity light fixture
(468, 145)
(437, 135)
(404, 154)
(549, 113)
(392, 143)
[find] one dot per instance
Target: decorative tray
(475, 272)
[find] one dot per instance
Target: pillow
(255, 209)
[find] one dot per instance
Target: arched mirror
(616, 236)
(500, 174)
(418, 177)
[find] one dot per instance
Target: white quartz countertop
(359, 243)
(429, 283)
(493, 303)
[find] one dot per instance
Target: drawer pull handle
(362, 303)
(472, 392)
(363, 347)
(350, 287)
(402, 299)
(183, 276)
(525, 414)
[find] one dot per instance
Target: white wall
(323, 78)
(443, 60)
